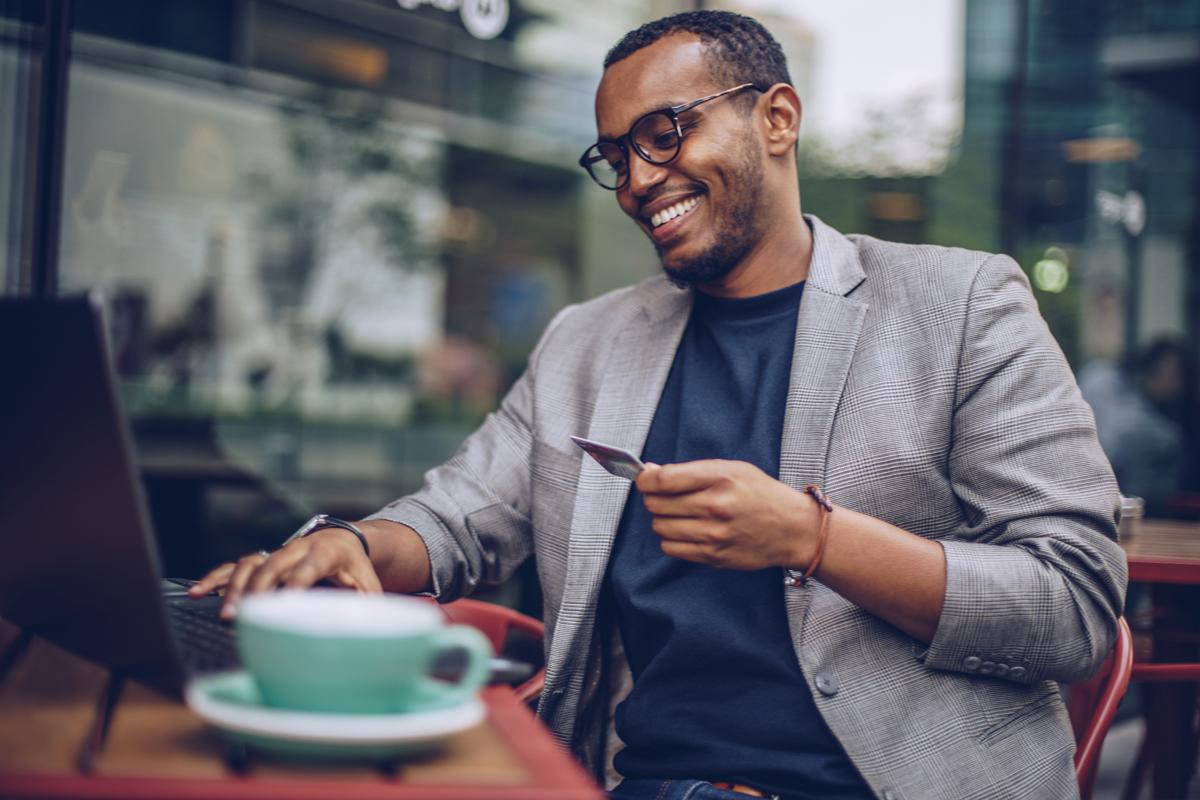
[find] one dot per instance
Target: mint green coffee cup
(337, 651)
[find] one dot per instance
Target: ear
(781, 118)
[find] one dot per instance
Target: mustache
(664, 191)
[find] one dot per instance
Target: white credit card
(616, 460)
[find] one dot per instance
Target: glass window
(329, 231)
(328, 235)
(21, 24)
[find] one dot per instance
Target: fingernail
(228, 611)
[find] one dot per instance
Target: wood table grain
(1164, 551)
(68, 729)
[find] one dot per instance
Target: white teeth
(671, 212)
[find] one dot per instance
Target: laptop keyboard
(206, 642)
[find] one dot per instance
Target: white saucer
(230, 701)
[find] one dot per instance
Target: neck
(779, 258)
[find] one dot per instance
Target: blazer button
(826, 683)
(1001, 670)
(1016, 673)
(987, 667)
(971, 663)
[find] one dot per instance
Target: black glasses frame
(592, 154)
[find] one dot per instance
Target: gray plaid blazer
(925, 390)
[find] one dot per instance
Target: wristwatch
(325, 521)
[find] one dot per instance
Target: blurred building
(1082, 141)
(329, 231)
(1080, 156)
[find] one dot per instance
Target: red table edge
(546, 760)
(60, 787)
(554, 775)
(1161, 569)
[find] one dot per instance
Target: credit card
(616, 460)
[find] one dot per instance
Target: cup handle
(479, 652)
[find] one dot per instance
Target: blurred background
(328, 232)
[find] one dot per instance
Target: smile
(671, 212)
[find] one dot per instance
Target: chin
(704, 268)
(700, 272)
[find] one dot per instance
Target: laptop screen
(78, 564)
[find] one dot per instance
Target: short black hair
(738, 49)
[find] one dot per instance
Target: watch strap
(323, 521)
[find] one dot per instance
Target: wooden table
(68, 731)
(1164, 551)
(1166, 556)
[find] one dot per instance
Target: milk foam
(339, 612)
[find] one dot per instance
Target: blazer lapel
(637, 368)
(827, 332)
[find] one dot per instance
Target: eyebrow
(659, 107)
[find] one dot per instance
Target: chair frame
(1151, 672)
(1093, 704)
(495, 622)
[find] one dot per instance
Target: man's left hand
(728, 514)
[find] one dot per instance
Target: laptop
(79, 564)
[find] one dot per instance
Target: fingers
(331, 554)
(364, 581)
(361, 576)
(715, 501)
(689, 551)
(687, 476)
(236, 587)
(298, 566)
(216, 579)
(274, 570)
(302, 564)
(679, 529)
(691, 504)
(305, 573)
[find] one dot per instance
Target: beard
(735, 230)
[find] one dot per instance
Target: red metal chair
(1148, 672)
(1093, 704)
(496, 622)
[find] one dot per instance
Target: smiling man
(883, 528)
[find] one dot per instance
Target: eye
(665, 139)
(607, 154)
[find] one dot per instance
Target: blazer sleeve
(1035, 579)
(473, 512)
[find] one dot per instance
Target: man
(904, 644)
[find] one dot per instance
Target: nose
(643, 175)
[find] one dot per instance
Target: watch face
(307, 528)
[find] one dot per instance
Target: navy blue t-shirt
(718, 693)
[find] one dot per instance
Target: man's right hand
(329, 553)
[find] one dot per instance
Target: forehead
(668, 72)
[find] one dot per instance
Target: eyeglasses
(656, 137)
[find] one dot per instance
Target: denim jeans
(653, 789)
